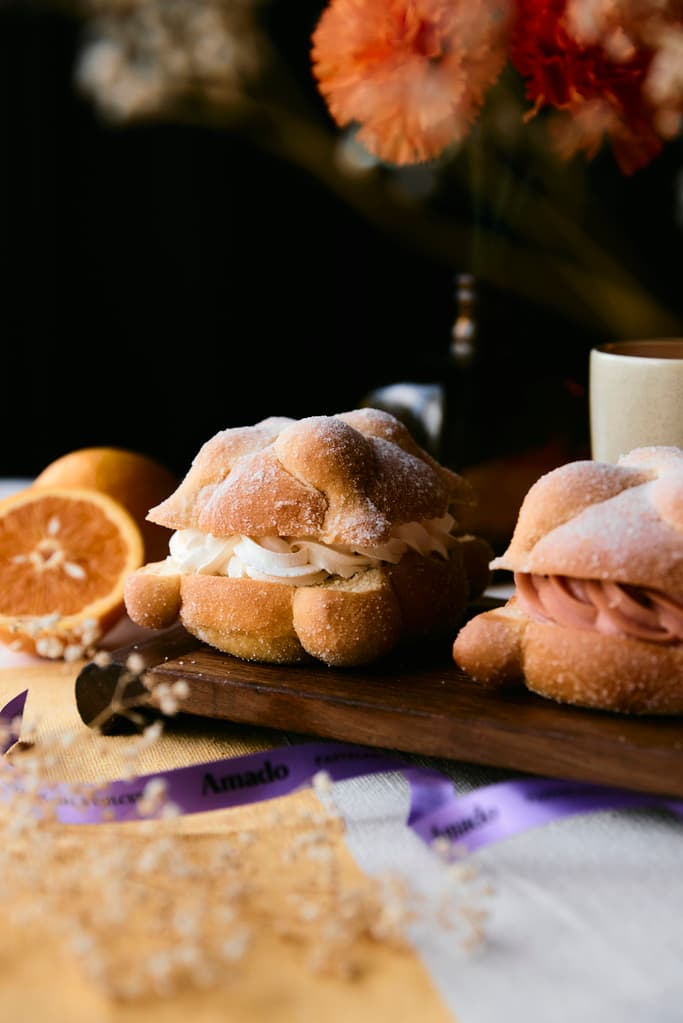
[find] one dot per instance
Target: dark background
(163, 281)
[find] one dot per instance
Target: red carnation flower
(598, 86)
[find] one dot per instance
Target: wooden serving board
(415, 706)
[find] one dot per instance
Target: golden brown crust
(591, 669)
(249, 619)
(339, 479)
(591, 520)
(378, 423)
(341, 622)
(348, 479)
(348, 622)
(289, 507)
(489, 646)
(152, 598)
(211, 465)
(559, 496)
(576, 666)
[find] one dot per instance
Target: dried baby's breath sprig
(135, 663)
(335, 916)
(139, 910)
(55, 638)
(134, 690)
(147, 910)
(168, 695)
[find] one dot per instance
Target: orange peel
(135, 480)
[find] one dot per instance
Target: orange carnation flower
(412, 73)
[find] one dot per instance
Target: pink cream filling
(612, 608)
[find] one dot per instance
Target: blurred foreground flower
(414, 73)
(144, 56)
(591, 59)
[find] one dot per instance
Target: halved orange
(64, 556)
(135, 480)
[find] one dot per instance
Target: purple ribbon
(467, 822)
(10, 719)
(494, 812)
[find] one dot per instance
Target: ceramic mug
(636, 396)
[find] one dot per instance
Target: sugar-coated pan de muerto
(329, 538)
(597, 615)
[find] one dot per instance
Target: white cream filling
(299, 562)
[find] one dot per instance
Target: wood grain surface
(418, 703)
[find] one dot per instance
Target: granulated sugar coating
(342, 479)
(591, 520)
(561, 495)
(332, 538)
(597, 618)
(622, 540)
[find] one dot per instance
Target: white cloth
(586, 916)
